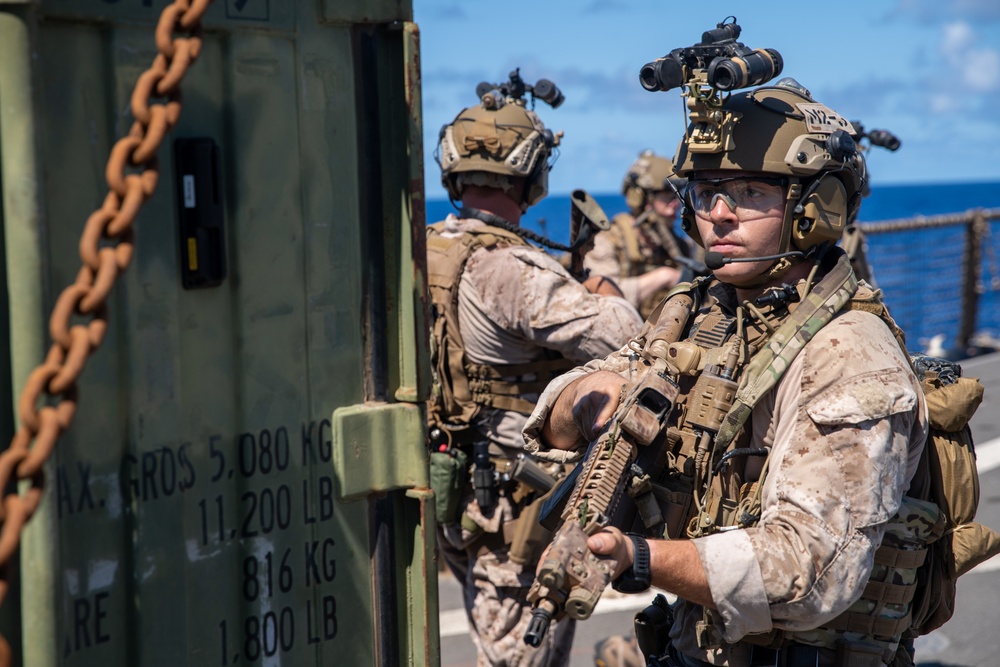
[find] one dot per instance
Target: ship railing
(976, 273)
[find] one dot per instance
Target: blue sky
(927, 70)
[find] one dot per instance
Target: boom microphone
(716, 260)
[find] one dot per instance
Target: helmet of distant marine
(492, 146)
(648, 175)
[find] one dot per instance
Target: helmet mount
(500, 140)
(772, 129)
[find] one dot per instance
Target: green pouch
(449, 475)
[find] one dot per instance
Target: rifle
(586, 219)
(571, 578)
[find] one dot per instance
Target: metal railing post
(972, 277)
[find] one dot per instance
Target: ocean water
(921, 273)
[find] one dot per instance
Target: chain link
(131, 175)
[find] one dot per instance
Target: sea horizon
(921, 272)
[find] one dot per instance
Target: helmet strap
(793, 201)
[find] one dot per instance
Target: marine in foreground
(768, 419)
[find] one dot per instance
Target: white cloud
(978, 68)
(957, 37)
(982, 71)
(943, 103)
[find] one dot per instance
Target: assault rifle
(586, 219)
(571, 578)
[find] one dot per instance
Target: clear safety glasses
(749, 197)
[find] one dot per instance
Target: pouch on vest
(449, 475)
(530, 537)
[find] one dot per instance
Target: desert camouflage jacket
(845, 425)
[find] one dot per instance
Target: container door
(244, 481)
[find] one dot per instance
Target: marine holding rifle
(506, 319)
(753, 442)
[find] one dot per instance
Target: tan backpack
(948, 477)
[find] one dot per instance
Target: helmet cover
(781, 130)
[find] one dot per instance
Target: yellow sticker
(821, 118)
(192, 254)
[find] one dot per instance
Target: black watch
(637, 578)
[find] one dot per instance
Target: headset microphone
(716, 260)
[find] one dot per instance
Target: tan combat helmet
(649, 174)
(781, 130)
(493, 142)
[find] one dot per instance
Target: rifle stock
(587, 218)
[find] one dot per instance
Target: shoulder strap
(625, 226)
(870, 301)
(830, 295)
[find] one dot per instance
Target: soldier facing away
(641, 252)
(798, 422)
(507, 319)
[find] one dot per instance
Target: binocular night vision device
(726, 63)
(494, 95)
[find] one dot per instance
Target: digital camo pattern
(845, 426)
(769, 365)
(517, 305)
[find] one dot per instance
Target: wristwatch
(637, 578)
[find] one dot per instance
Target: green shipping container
(245, 479)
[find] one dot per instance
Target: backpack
(948, 477)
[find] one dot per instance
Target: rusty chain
(132, 172)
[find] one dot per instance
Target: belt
(793, 655)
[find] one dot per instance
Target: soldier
(798, 421)
(507, 318)
(641, 252)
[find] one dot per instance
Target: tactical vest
(631, 260)
(629, 250)
(462, 388)
(698, 490)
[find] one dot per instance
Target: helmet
(780, 129)
(492, 146)
(648, 175)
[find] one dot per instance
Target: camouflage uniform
(845, 426)
(514, 303)
(656, 243)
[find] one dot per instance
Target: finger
(601, 544)
(587, 413)
(607, 411)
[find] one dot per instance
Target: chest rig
(640, 250)
(641, 247)
(704, 489)
(690, 486)
(728, 361)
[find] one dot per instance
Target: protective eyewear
(749, 197)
